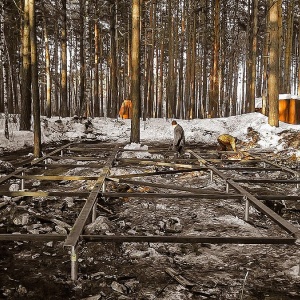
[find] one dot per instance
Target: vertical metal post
(22, 182)
(74, 264)
(104, 188)
(211, 175)
(94, 212)
(246, 209)
(227, 187)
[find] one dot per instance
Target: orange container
(126, 110)
(294, 111)
(284, 105)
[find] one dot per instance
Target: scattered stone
(120, 288)
(6, 167)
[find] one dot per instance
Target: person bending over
(227, 142)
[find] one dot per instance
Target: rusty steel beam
(254, 201)
(32, 237)
(267, 180)
(166, 186)
(189, 239)
(172, 195)
(81, 220)
(278, 197)
(170, 172)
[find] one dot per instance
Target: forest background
(196, 58)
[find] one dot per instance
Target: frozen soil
(41, 270)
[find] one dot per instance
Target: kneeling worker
(227, 142)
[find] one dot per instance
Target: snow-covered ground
(153, 130)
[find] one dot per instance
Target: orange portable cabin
(126, 109)
(294, 110)
(289, 109)
(284, 102)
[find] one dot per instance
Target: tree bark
(25, 118)
(273, 81)
(135, 73)
(64, 83)
(214, 77)
(47, 66)
(35, 84)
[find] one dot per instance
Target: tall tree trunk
(64, 85)
(96, 71)
(253, 58)
(265, 66)
(82, 100)
(35, 84)
(47, 66)
(273, 91)
(135, 73)
(56, 72)
(25, 119)
(3, 66)
(170, 99)
(214, 76)
(280, 46)
(113, 62)
(161, 77)
(192, 108)
(288, 47)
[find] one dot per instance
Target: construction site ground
(114, 269)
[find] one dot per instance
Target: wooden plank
(179, 278)
(79, 158)
(80, 222)
(70, 166)
(43, 194)
(56, 177)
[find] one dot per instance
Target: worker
(179, 139)
(227, 142)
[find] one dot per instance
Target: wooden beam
(56, 177)
(43, 194)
